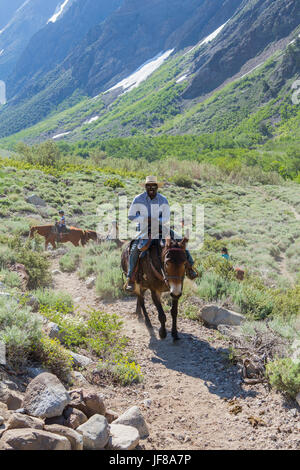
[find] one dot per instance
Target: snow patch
(142, 73)
(59, 11)
(180, 79)
(93, 119)
(58, 136)
(292, 42)
(1, 52)
(209, 38)
(2, 92)
(213, 35)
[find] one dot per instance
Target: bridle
(163, 276)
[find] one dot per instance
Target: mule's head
(174, 265)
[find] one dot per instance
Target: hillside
(80, 290)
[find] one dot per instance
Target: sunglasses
(151, 186)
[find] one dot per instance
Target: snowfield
(60, 9)
(58, 136)
(142, 73)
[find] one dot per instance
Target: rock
(111, 416)
(77, 300)
(18, 420)
(56, 420)
(79, 379)
(22, 274)
(90, 282)
(74, 417)
(75, 438)
(88, 401)
(56, 272)
(4, 412)
(214, 316)
(34, 439)
(1, 420)
(33, 303)
(79, 360)
(122, 437)
(36, 201)
(298, 398)
(33, 372)
(54, 331)
(95, 433)
(45, 397)
(133, 417)
(12, 398)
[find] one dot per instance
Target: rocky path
(191, 397)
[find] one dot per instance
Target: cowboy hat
(152, 180)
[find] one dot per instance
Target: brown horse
(160, 270)
(75, 235)
(90, 235)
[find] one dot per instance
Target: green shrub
(20, 330)
(69, 262)
(114, 183)
(183, 181)
(53, 300)
(52, 355)
(123, 371)
(284, 375)
(10, 279)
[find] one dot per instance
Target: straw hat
(152, 180)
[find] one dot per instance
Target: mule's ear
(168, 242)
(184, 242)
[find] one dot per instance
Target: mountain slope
(130, 36)
(27, 19)
(256, 26)
(51, 45)
(7, 9)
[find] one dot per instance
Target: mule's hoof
(162, 333)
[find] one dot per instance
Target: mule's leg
(141, 301)
(161, 314)
(174, 312)
(138, 310)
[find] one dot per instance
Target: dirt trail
(187, 386)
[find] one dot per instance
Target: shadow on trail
(196, 358)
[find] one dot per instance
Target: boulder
(122, 437)
(88, 401)
(215, 316)
(12, 398)
(79, 360)
(54, 331)
(75, 438)
(74, 417)
(36, 200)
(18, 420)
(90, 282)
(298, 398)
(111, 416)
(33, 439)
(95, 433)
(133, 417)
(45, 397)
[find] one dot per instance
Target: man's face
(151, 190)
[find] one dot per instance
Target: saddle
(153, 261)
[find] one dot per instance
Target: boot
(191, 273)
(130, 285)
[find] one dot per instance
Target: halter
(166, 277)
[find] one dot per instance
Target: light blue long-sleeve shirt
(143, 207)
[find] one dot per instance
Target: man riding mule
(152, 210)
(154, 260)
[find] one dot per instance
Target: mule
(74, 235)
(161, 269)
